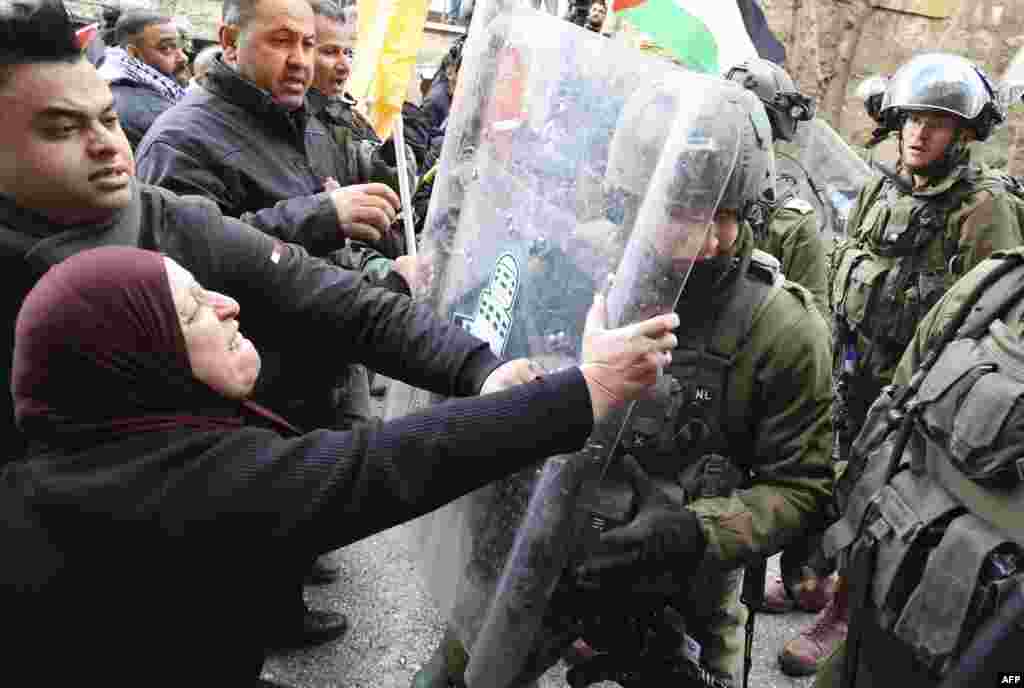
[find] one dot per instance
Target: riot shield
(818, 167)
(524, 226)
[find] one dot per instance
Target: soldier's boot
(446, 667)
(777, 598)
(811, 594)
(804, 654)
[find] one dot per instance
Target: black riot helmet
(785, 105)
(940, 82)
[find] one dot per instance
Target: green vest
(933, 526)
(689, 418)
(903, 256)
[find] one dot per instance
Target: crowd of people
(170, 485)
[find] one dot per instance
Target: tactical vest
(887, 277)
(688, 417)
(933, 527)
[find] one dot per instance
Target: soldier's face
(62, 151)
(926, 135)
(719, 240)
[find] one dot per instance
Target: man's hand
(517, 372)
(365, 211)
(659, 549)
(619, 365)
(407, 268)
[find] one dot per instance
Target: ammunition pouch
(935, 498)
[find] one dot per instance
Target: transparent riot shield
(571, 164)
(819, 168)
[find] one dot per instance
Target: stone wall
(204, 15)
(832, 45)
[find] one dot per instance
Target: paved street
(395, 626)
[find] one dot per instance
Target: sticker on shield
(492, 321)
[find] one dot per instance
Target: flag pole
(403, 185)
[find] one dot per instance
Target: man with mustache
(249, 142)
(144, 69)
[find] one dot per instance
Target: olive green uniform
(777, 422)
(905, 251)
(793, 238)
(778, 402)
(931, 328)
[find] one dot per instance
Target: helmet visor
(940, 83)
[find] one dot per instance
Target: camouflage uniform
(927, 336)
(954, 223)
(793, 238)
(777, 422)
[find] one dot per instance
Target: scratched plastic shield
(530, 217)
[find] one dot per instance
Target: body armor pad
(689, 417)
(944, 533)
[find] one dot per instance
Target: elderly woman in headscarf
(130, 383)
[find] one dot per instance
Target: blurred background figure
(202, 63)
(144, 68)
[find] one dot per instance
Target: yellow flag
(390, 35)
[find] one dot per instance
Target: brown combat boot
(802, 655)
(811, 594)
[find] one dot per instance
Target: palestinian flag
(706, 35)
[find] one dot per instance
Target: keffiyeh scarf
(119, 65)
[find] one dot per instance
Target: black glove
(657, 550)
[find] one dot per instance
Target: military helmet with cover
(940, 82)
(716, 148)
(784, 103)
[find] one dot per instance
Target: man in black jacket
(248, 140)
(66, 184)
(143, 69)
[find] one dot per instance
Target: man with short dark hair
(362, 160)
(596, 16)
(336, 39)
(248, 140)
(143, 68)
(66, 185)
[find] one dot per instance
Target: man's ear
(229, 35)
(967, 135)
(133, 51)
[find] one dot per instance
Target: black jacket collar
(226, 83)
(44, 243)
(317, 102)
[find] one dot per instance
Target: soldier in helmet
(789, 231)
(745, 444)
(914, 232)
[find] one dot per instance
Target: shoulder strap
(734, 325)
(994, 300)
(730, 333)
